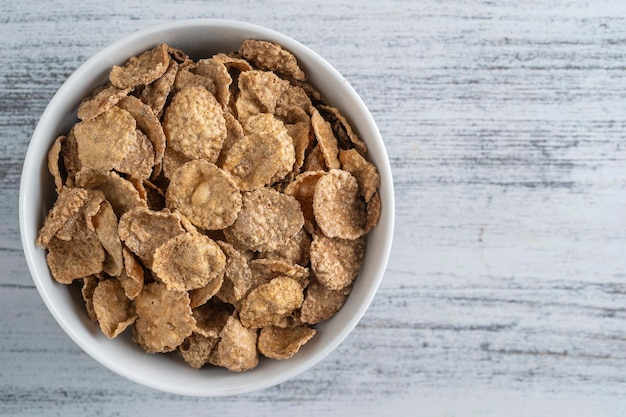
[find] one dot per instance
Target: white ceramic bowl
(199, 38)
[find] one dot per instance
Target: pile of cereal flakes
(218, 207)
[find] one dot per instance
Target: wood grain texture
(506, 289)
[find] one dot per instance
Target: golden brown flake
(269, 303)
(73, 259)
(234, 134)
(211, 318)
(365, 173)
(295, 251)
(326, 140)
(148, 123)
(69, 155)
(132, 276)
(271, 56)
(346, 137)
(237, 275)
(143, 231)
(322, 303)
(89, 285)
(314, 160)
(236, 350)
(54, 155)
(142, 69)
(265, 155)
(105, 141)
(118, 191)
(303, 190)
(112, 308)
(336, 262)
(267, 220)
(265, 270)
(194, 124)
(101, 100)
(197, 348)
(259, 93)
(156, 93)
(105, 224)
(188, 261)
(278, 343)
(205, 194)
(139, 162)
(338, 207)
(164, 318)
(67, 204)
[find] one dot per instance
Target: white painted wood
(506, 289)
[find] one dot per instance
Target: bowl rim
(32, 159)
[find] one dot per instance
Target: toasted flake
(236, 350)
(373, 212)
(80, 225)
(271, 56)
(89, 285)
(216, 71)
(336, 262)
(68, 203)
(118, 191)
(205, 194)
(101, 100)
(177, 55)
(346, 137)
(365, 173)
(197, 348)
(234, 134)
(268, 219)
(194, 124)
(188, 77)
(321, 303)
(76, 258)
(265, 155)
(105, 224)
(278, 343)
(172, 160)
(112, 308)
(155, 197)
(265, 270)
(143, 231)
(294, 251)
(233, 63)
(200, 296)
(164, 318)
(237, 275)
(105, 141)
(188, 261)
(326, 140)
(132, 276)
(53, 162)
(314, 160)
(156, 93)
(303, 189)
(139, 162)
(69, 155)
(142, 69)
(261, 87)
(148, 123)
(211, 318)
(293, 105)
(302, 137)
(338, 207)
(269, 303)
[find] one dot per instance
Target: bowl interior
(199, 38)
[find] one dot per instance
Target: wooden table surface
(505, 294)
